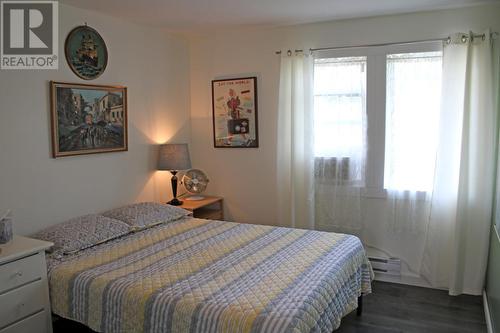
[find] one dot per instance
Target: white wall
(41, 190)
(246, 177)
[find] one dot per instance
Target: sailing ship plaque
(86, 52)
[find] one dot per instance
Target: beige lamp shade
(174, 157)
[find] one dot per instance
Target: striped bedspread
(197, 275)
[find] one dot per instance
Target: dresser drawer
(209, 214)
(19, 272)
(22, 302)
(36, 323)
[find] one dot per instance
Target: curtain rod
(380, 44)
(443, 39)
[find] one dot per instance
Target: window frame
(376, 69)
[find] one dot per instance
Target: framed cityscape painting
(86, 52)
(234, 107)
(88, 119)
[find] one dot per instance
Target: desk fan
(195, 182)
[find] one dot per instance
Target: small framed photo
(88, 119)
(234, 107)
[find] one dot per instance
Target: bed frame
(63, 325)
(359, 310)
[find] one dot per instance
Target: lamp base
(175, 202)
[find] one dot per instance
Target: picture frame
(86, 52)
(234, 113)
(88, 119)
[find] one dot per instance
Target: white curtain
(340, 143)
(496, 86)
(413, 100)
(295, 142)
(456, 250)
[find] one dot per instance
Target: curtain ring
(289, 53)
(464, 38)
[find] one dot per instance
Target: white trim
(487, 315)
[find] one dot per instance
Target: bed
(195, 275)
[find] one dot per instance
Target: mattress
(196, 275)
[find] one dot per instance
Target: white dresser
(24, 291)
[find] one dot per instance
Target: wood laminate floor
(395, 308)
(400, 308)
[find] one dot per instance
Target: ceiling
(202, 15)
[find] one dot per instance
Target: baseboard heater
(391, 266)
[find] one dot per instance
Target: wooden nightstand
(210, 208)
(24, 290)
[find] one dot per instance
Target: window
(412, 116)
(340, 116)
(376, 112)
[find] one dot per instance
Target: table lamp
(174, 157)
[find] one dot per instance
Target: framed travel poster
(86, 52)
(88, 119)
(234, 107)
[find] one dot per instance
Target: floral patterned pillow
(82, 232)
(146, 214)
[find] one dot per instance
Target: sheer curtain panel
(340, 142)
(412, 116)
